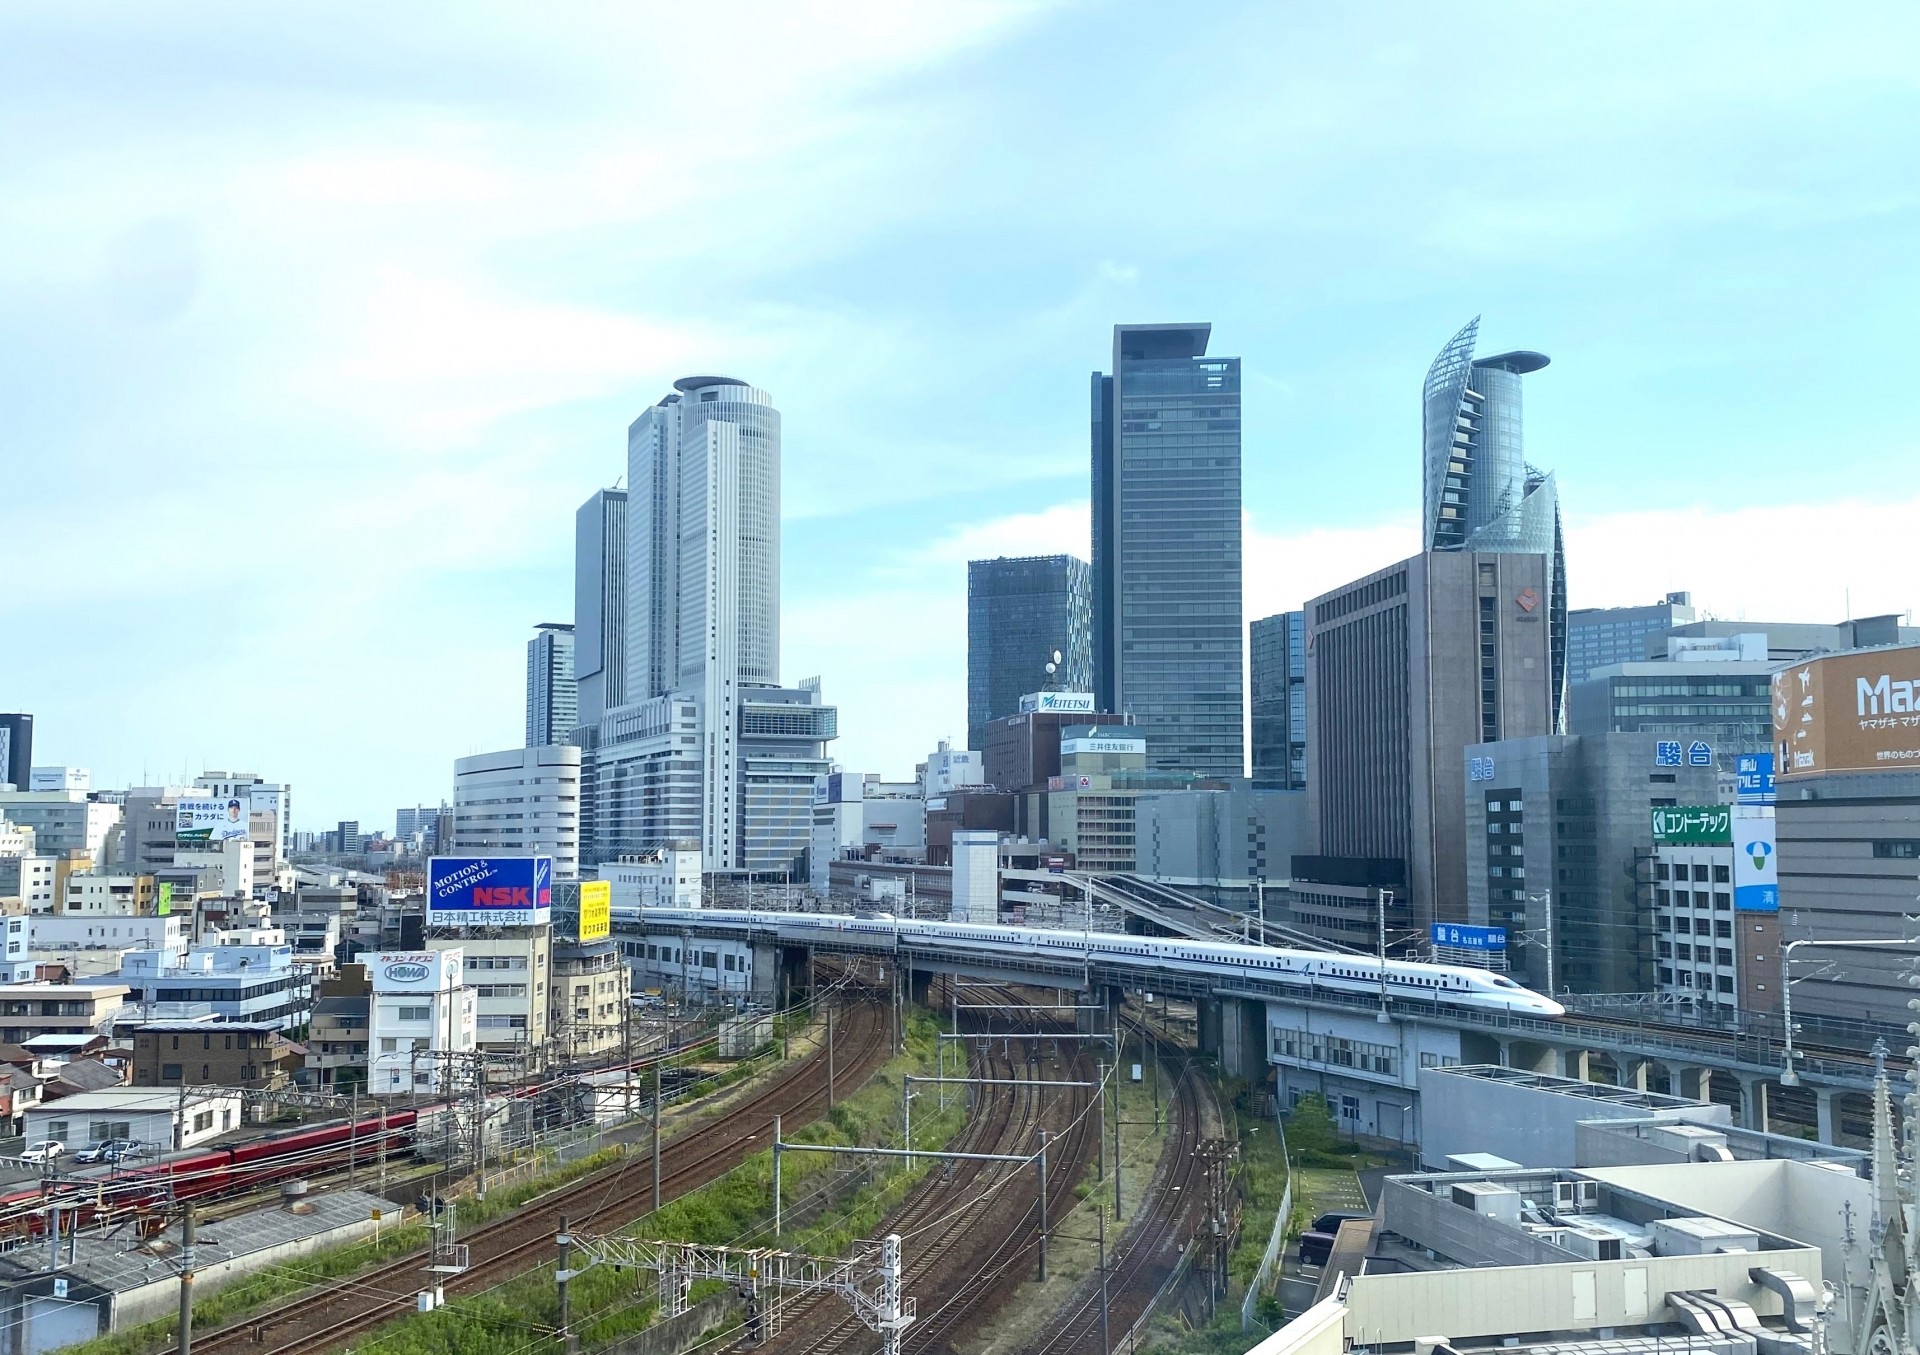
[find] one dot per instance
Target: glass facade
(1478, 490)
(552, 700)
(1277, 669)
(1019, 611)
(1599, 637)
(1168, 634)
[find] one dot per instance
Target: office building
(1167, 628)
(1559, 836)
(1408, 667)
(1277, 674)
(1787, 641)
(61, 778)
(1715, 693)
(706, 743)
(420, 821)
(16, 752)
(553, 702)
(1462, 644)
(1020, 612)
(1846, 746)
(1598, 637)
(422, 1017)
(600, 605)
(269, 816)
(520, 802)
(239, 982)
(65, 822)
(949, 769)
(667, 877)
(507, 969)
(1708, 958)
(347, 840)
(1227, 846)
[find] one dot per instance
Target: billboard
(1467, 938)
(596, 909)
(1756, 870)
(1753, 777)
(210, 820)
(1101, 744)
(163, 899)
(489, 891)
(1075, 703)
(1693, 825)
(1848, 713)
(414, 971)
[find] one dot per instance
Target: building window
(170, 1072)
(1897, 849)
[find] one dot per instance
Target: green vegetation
(609, 1303)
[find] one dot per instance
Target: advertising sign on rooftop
(1756, 869)
(489, 891)
(1075, 703)
(1693, 825)
(596, 909)
(1753, 777)
(1463, 937)
(415, 971)
(1848, 713)
(210, 820)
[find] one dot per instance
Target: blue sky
(311, 338)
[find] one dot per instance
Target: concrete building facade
(520, 802)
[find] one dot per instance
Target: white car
(44, 1151)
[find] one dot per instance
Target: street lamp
(1545, 899)
(1788, 1077)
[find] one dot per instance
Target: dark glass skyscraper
(1167, 630)
(1019, 611)
(1277, 671)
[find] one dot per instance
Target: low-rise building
(588, 1007)
(250, 1054)
(165, 1117)
(508, 969)
(423, 1016)
(339, 1034)
(28, 1010)
(110, 895)
(242, 982)
(667, 877)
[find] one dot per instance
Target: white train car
(1406, 980)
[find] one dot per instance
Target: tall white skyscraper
(703, 571)
(552, 701)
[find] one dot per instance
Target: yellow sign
(596, 909)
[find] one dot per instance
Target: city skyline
(486, 293)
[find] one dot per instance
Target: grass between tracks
(519, 1316)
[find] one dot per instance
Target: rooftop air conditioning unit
(1576, 1194)
(1489, 1200)
(1594, 1244)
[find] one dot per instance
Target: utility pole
(1116, 1122)
(1385, 895)
(1100, 1157)
(1041, 1162)
(561, 1275)
(829, 1053)
(776, 1177)
(1106, 1341)
(185, 1342)
(659, 1067)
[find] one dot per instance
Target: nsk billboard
(489, 891)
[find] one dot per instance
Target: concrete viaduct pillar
(1826, 1111)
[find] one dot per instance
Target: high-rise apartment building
(1598, 637)
(1277, 674)
(704, 742)
(600, 605)
(1020, 612)
(1167, 629)
(552, 700)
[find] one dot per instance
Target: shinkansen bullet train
(1446, 985)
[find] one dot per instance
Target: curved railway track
(603, 1201)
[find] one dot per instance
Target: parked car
(1315, 1248)
(44, 1151)
(1330, 1222)
(94, 1152)
(119, 1150)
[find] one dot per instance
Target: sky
(316, 329)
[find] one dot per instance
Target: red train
(288, 1155)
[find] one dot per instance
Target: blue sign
(1753, 779)
(1479, 769)
(489, 891)
(1468, 938)
(1699, 754)
(1666, 753)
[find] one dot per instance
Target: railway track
(1148, 1251)
(603, 1201)
(971, 1231)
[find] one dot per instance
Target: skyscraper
(1020, 611)
(1479, 492)
(1461, 645)
(599, 606)
(16, 751)
(705, 742)
(1167, 630)
(552, 701)
(1277, 673)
